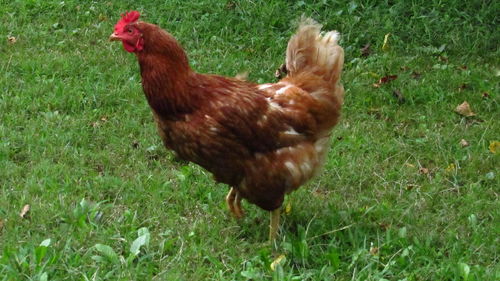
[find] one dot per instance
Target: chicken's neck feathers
(165, 76)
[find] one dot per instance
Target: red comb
(127, 18)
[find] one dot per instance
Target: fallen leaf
(415, 75)
(494, 147)
(463, 67)
(464, 143)
(384, 226)
(384, 80)
(104, 118)
(374, 250)
(385, 46)
(463, 87)
(485, 95)
(411, 186)
(397, 94)
(277, 261)
(11, 39)
(409, 165)
(25, 211)
(464, 109)
(450, 168)
(366, 51)
(443, 58)
(102, 17)
(423, 171)
(288, 208)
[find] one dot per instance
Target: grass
(399, 199)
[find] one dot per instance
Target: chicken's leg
(274, 225)
(237, 206)
(233, 200)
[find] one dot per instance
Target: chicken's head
(126, 30)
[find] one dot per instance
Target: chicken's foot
(233, 200)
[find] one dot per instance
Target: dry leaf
(25, 211)
(384, 226)
(385, 79)
(288, 208)
(464, 109)
(397, 94)
(385, 46)
(494, 147)
(463, 87)
(366, 51)
(102, 17)
(277, 261)
(423, 171)
(450, 168)
(409, 165)
(411, 186)
(485, 95)
(464, 143)
(415, 75)
(104, 118)
(443, 59)
(12, 39)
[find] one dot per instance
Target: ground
(409, 191)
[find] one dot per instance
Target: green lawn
(400, 198)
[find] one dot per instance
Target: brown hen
(264, 141)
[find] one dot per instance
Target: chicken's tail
(310, 51)
(314, 63)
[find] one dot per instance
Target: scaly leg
(233, 200)
(230, 200)
(274, 225)
(238, 211)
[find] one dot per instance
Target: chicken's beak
(114, 37)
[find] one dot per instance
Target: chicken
(264, 141)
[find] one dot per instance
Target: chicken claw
(233, 200)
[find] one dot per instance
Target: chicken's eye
(129, 30)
